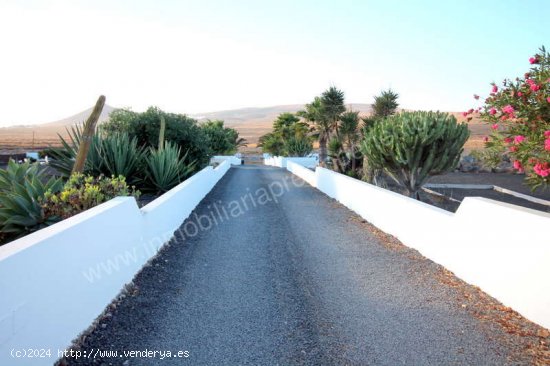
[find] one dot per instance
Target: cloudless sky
(57, 57)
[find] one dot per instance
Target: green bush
(411, 146)
(82, 192)
(145, 127)
(22, 187)
(221, 140)
(166, 169)
(298, 146)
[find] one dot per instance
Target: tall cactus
(161, 132)
(411, 146)
(87, 135)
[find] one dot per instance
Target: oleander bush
(519, 114)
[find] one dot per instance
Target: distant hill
(254, 122)
(80, 117)
(263, 114)
(39, 136)
(251, 123)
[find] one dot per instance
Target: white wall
(305, 173)
(281, 162)
(221, 158)
(55, 282)
(502, 248)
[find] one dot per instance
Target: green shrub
(298, 146)
(145, 127)
(165, 168)
(82, 192)
(22, 187)
(411, 146)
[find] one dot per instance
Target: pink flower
(548, 99)
(535, 87)
(547, 144)
(492, 111)
(513, 148)
(530, 81)
(533, 60)
(517, 165)
(495, 89)
(520, 94)
(464, 114)
(542, 169)
(508, 140)
(486, 139)
(547, 133)
(495, 126)
(508, 109)
(476, 97)
(519, 139)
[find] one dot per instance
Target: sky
(57, 57)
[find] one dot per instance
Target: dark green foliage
(145, 127)
(385, 104)
(332, 100)
(314, 113)
(166, 168)
(221, 140)
(411, 146)
(298, 146)
(289, 137)
(272, 143)
(22, 187)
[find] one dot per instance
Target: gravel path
(295, 280)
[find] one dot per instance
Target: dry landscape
(250, 122)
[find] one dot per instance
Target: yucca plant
(412, 146)
(22, 188)
(165, 168)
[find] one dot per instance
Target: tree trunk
(322, 150)
(87, 135)
(353, 158)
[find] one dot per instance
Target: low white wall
(281, 162)
(504, 249)
(55, 282)
(301, 171)
(221, 158)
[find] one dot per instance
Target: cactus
(412, 146)
(87, 135)
(161, 132)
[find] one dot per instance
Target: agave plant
(112, 155)
(119, 155)
(22, 187)
(166, 169)
(63, 158)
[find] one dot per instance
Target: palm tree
(385, 104)
(333, 107)
(314, 113)
(349, 127)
